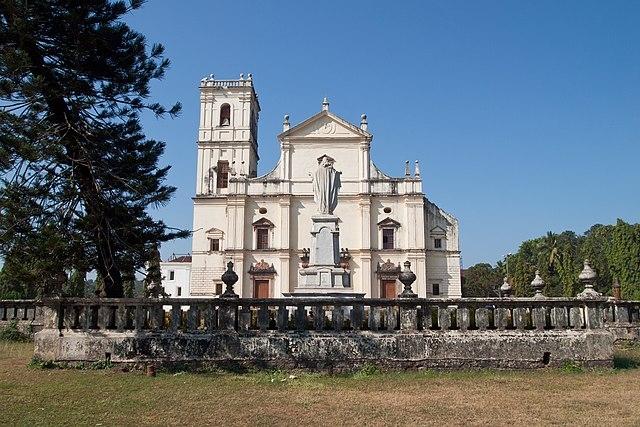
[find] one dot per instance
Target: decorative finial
(211, 77)
(363, 122)
(285, 124)
(250, 76)
(241, 76)
(407, 277)
(229, 278)
(616, 290)
(588, 277)
(407, 172)
(505, 289)
(325, 104)
(538, 285)
(417, 172)
(233, 168)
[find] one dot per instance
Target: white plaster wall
(182, 278)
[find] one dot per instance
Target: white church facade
(264, 224)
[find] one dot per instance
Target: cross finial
(325, 104)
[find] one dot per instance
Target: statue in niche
(326, 182)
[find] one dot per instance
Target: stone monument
(325, 274)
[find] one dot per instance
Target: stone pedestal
(324, 274)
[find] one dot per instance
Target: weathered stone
(121, 317)
(520, 318)
(482, 318)
(337, 318)
(192, 318)
(357, 316)
(226, 317)
(244, 318)
(263, 318)
(621, 313)
(501, 318)
(444, 318)
(391, 319)
(539, 317)
(282, 318)
(576, 317)
(426, 317)
(176, 317)
(374, 318)
(408, 319)
(559, 318)
(462, 319)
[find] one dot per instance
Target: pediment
(325, 125)
(438, 231)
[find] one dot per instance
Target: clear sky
(525, 115)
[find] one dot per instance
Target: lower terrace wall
(329, 334)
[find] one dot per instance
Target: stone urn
(407, 277)
(229, 278)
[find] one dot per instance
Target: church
(324, 221)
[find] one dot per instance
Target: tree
(76, 284)
(481, 280)
(74, 79)
(153, 282)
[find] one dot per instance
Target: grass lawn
(111, 397)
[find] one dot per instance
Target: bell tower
(228, 133)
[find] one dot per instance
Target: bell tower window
(223, 174)
(225, 115)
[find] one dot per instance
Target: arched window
(225, 115)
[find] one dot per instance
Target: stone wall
(329, 334)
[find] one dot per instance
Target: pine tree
(153, 282)
(74, 79)
(76, 284)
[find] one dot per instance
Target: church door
(388, 289)
(261, 289)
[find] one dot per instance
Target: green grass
(32, 394)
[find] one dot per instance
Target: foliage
(76, 284)
(77, 174)
(153, 282)
(11, 332)
(613, 251)
(481, 280)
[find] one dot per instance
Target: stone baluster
(539, 317)
(244, 318)
(444, 318)
(121, 317)
(576, 317)
(3, 312)
(263, 317)
(357, 315)
(104, 316)
(374, 318)
(210, 317)
(176, 317)
(282, 318)
(520, 318)
(463, 319)
(317, 311)
(408, 318)
(390, 318)
(69, 314)
(482, 318)
(227, 316)
(140, 316)
(192, 318)
(337, 316)
(594, 317)
(501, 318)
(300, 319)
(426, 318)
(559, 317)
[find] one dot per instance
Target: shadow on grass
(623, 362)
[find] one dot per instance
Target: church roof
(325, 113)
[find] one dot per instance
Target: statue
(326, 182)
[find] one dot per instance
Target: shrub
(12, 333)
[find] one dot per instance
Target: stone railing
(326, 314)
(241, 82)
(328, 333)
(623, 319)
(27, 314)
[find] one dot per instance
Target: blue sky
(525, 115)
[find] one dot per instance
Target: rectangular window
(435, 289)
(262, 238)
(172, 275)
(218, 288)
(214, 245)
(387, 238)
(223, 174)
(437, 243)
(179, 291)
